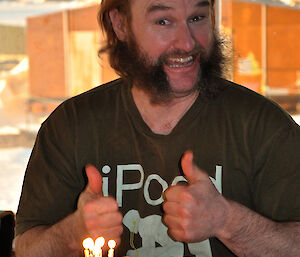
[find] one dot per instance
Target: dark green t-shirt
(247, 145)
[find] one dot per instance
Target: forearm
(247, 233)
(57, 240)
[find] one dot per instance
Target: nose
(184, 39)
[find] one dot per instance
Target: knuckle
(165, 219)
(86, 208)
(185, 213)
(167, 192)
(186, 224)
(120, 231)
(115, 205)
(120, 217)
(90, 225)
(188, 236)
(166, 207)
(186, 196)
(112, 203)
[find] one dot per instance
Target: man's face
(172, 34)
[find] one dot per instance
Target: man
(235, 190)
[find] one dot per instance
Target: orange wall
(46, 55)
(62, 50)
(83, 19)
(283, 47)
(243, 22)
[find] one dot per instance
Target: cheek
(204, 39)
(153, 43)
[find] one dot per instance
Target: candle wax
(86, 253)
(110, 253)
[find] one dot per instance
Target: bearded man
(178, 160)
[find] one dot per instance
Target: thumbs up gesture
(98, 215)
(196, 211)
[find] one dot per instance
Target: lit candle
(111, 245)
(88, 245)
(99, 243)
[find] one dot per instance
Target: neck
(161, 118)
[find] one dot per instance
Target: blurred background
(48, 53)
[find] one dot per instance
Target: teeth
(177, 62)
(178, 66)
(181, 59)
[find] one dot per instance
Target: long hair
(113, 45)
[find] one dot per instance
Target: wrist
(224, 231)
(69, 230)
(78, 230)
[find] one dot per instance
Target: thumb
(190, 170)
(94, 185)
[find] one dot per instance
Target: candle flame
(111, 244)
(99, 243)
(88, 243)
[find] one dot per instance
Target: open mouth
(180, 61)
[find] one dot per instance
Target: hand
(196, 211)
(99, 215)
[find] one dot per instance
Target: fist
(98, 214)
(196, 211)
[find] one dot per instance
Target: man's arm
(247, 233)
(95, 216)
(198, 211)
(57, 240)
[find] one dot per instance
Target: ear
(119, 24)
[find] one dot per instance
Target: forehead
(146, 7)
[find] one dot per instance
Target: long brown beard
(136, 68)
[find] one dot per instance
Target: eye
(162, 22)
(196, 18)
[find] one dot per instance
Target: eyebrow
(158, 7)
(203, 3)
(162, 7)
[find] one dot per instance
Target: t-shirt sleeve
(276, 183)
(52, 181)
